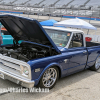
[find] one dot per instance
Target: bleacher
(34, 2)
(1, 0)
(61, 3)
(53, 3)
(77, 3)
(47, 2)
(93, 3)
(21, 2)
(7, 2)
(13, 2)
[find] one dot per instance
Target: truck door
(78, 53)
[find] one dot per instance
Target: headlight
(25, 70)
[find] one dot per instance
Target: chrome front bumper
(16, 79)
(10, 69)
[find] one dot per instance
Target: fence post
(92, 12)
(49, 12)
(88, 29)
(66, 10)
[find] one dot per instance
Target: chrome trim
(84, 40)
(67, 46)
(24, 81)
(16, 62)
(49, 77)
(12, 60)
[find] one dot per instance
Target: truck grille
(8, 66)
(12, 65)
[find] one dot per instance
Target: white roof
(63, 29)
(75, 23)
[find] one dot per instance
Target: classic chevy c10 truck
(45, 53)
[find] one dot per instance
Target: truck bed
(90, 44)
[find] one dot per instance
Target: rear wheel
(96, 66)
(49, 78)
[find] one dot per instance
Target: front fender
(50, 65)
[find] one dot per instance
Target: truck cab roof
(63, 29)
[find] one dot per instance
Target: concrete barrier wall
(82, 17)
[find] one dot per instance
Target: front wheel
(96, 66)
(49, 78)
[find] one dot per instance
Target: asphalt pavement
(84, 85)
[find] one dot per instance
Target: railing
(57, 10)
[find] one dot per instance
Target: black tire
(94, 68)
(41, 85)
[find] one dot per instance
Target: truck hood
(27, 29)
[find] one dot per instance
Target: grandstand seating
(62, 2)
(21, 2)
(93, 3)
(78, 3)
(54, 3)
(48, 2)
(1, 0)
(34, 2)
(14, 2)
(7, 1)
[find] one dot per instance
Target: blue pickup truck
(45, 54)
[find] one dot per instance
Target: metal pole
(38, 14)
(88, 29)
(99, 12)
(92, 12)
(66, 10)
(60, 13)
(78, 10)
(54, 9)
(49, 12)
(85, 11)
(19, 14)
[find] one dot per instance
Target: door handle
(84, 51)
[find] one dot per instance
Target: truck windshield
(60, 38)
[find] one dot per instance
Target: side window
(77, 40)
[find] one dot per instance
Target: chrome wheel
(97, 64)
(49, 77)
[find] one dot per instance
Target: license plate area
(2, 75)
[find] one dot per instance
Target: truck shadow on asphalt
(62, 83)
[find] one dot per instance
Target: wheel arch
(52, 65)
(48, 66)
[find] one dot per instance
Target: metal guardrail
(55, 10)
